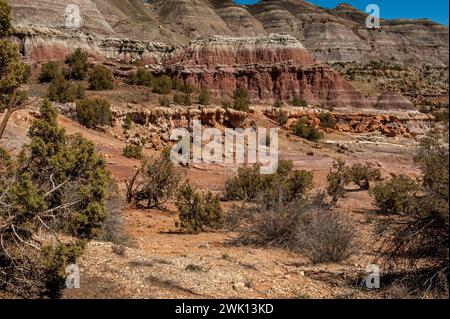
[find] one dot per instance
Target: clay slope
(51, 14)
(269, 67)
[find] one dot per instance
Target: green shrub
(79, 92)
(94, 113)
(182, 99)
(281, 118)
(127, 122)
(298, 102)
(141, 77)
(204, 98)
(100, 78)
(49, 72)
(5, 19)
(226, 104)
(60, 90)
(327, 120)
(340, 176)
(363, 174)
(77, 65)
(278, 103)
(133, 151)
(285, 184)
(307, 131)
(416, 241)
(154, 182)
(198, 212)
(186, 88)
(164, 101)
(396, 196)
(162, 85)
(241, 100)
(56, 190)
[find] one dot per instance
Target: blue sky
(436, 10)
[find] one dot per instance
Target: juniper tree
(52, 201)
(12, 70)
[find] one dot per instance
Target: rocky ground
(160, 263)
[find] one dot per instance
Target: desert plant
(100, 78)
(286, 184)
(363, 174)
(327, 120)
(141, 77)
(164, 101)
(154, 182)
(94, 113)
(340, 176)
(182, 99)
(197, 211)
(55, 190)
(278, 103)
(49, 72)
(133, 151)
(298, 102)
(77, 65)
(204, 98)
(127, 122)
(12, 69)
(281, 118)
(305, 130)
(416, 243)
(396, 196)
(162, 85)
(5, 19)
(60, 90)
(327, 236)
(241, 100)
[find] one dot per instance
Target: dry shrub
(327, 236)
(154, 182)
(305, 226)
(416, 241)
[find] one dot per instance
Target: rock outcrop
(269, 67)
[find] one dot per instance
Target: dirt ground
(163, 264)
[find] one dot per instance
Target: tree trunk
(5, 120)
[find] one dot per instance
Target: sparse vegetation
(12, 69)
(162, 85)
(94, 113)
(327, 120)
(241, 100)
(307, 131)
(204, 98)
(154, 182)
(298, 102)
(141, 77)
(164, 101)
(198, 212)
(416, 241)
(281, 118)
(100, 78)
(182, 99)
(396, 196)
(133, 151)
(77, 65)
(278, 103)
(249, 184)
(57, 189)
(60, 90)
(49, 72)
